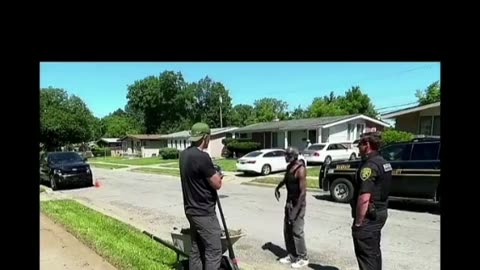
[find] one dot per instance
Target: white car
(265, 161)
(328, 152)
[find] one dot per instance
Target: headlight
(57, 171)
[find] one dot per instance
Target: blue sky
(103, 85)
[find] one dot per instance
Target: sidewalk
(61, 250)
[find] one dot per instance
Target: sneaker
(286, 260)
(300, 263)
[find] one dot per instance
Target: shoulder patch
(387, 167)
(365, 173)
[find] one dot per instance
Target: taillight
(251, 161)
(317, 154)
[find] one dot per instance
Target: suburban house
(180, 140)
(282, 134)
(143, 145)
(419, 120)
(113, 143)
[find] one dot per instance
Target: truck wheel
(53, 183)
(341, 190)
(353, 156)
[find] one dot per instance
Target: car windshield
(253, 154)
(66, 157)
(316, 147)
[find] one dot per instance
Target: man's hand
(277, 193)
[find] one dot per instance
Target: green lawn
(227, 164)
(311, 183)
(135, 161)
(157, 171)
(122, 245)
(314, 172)
(173, 165)
(107, 166)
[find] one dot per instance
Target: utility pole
(221, 120)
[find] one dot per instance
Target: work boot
(300, 262)
(288, 259)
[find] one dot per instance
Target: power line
(396, 106)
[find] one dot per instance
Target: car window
(269, 154)
(65, 157)
(253, 154)
(425, 151)
(396, 152)
(332, 147)
(316, 147)
(279, 153)
(341, 146)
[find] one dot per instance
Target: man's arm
(367, 177)
(301, 174)
(206, 167)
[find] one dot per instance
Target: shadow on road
(280, 253)
(400, 204)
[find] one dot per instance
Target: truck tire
(341, 190)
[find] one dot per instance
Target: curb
(47, 189)
(272, 185)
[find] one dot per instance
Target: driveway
(410, 239)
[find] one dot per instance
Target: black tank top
(293, 185)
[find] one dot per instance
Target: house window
(360, 128)
(144, 143)
(176, 144)
(274, 139)
(436, 126)
(429, 125)
(350, 134)
(312, 135)
(243, 135)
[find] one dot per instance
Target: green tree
(356, 102)
(322, 108)
(299, 113)
(64, 119)
(206, 106)
(162, 100)
(119, 123)
(268, 109)
(429, 95)
(242, 115)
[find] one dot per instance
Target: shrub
(392, 135)
(102, 152)
(242, 147)
(169, 153)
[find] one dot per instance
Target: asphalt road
(410, 239)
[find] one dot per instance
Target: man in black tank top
(296, 182)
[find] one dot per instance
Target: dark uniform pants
(294, 234)
(366, 240)
(206, 252)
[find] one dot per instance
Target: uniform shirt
(374, 176)
(196, 167)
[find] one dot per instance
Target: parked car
(416, 171)
(64, 168)
(265, 161)
(328, 152)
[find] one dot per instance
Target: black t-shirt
(196, 167)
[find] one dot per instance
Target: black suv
(63, 168)
(416, 171)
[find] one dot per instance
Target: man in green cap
(200, 182)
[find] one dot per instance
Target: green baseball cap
(198, 131)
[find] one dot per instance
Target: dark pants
(294, 234)
(366, 240)
(206, 252)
